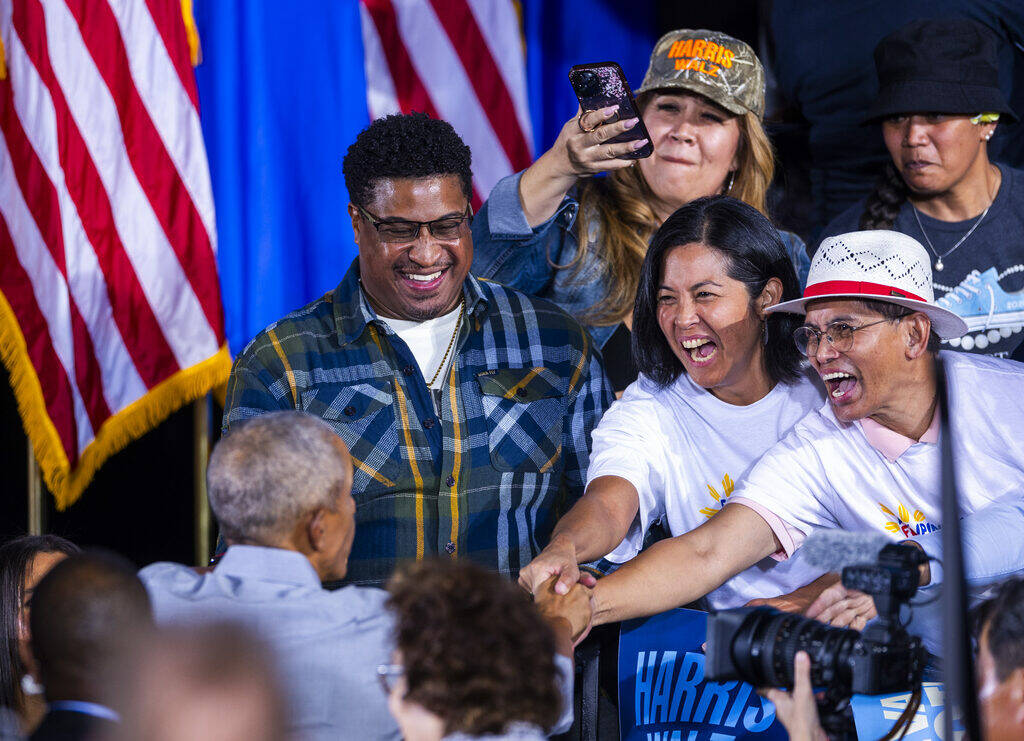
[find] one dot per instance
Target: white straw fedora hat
(880, 265)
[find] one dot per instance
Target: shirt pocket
(524, 408)
(363, 416)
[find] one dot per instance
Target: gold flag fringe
(127, 425)
(195, 51)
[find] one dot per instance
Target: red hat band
(833, 287)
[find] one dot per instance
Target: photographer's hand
(797, 710)
(843, 608)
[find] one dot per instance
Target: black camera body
(758, 644)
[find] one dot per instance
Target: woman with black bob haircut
(755, 255)
(720, 382)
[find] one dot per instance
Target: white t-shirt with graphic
(684, 450)
(824, 473)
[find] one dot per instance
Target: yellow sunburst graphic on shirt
(720, 499)
(903, 523)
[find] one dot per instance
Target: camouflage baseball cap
(711, 63)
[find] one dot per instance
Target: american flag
(110, 309)
(458, 60)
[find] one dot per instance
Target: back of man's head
(272, 470)
(82, 613)
(1001, 620)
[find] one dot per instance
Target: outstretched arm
(679, 570)
(593, 527)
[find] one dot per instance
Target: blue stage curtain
(567, 32)
(282, 94)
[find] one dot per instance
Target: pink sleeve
(790, 537)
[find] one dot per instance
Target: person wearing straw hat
(866, 460)
(555, 232)
(938, 105)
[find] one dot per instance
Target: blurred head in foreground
(216, 682)
(1000, 662)
(472, 654)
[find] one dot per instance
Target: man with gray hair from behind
(280, 487)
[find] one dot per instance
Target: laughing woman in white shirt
(720, 383)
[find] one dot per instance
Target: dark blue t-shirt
(984, 276)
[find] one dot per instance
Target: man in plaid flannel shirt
(467, 406)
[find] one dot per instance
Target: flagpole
(200, 459)
(36, 510)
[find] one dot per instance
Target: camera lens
(767, 642)
(587, 83)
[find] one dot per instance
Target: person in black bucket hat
(938, 65)
(938, 105)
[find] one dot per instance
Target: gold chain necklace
(451, 343)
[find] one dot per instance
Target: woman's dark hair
(15, 557)
(884, 203)
(755, 254)
(476, 651)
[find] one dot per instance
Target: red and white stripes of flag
(110, 309)
(457, 60)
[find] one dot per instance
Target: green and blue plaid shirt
(488, 478)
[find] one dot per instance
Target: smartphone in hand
(603, 84)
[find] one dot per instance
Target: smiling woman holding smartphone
(581, 243)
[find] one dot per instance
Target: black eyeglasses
(447, 228)
(388, 674)
(839, 336)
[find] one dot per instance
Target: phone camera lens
(587, 83)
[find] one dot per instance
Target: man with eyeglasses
(466, 406)
(867, 460)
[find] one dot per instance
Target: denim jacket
(507, 250)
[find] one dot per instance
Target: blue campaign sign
(662, 692)
(874, 715)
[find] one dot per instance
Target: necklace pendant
(938, 265)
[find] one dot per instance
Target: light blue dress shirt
(328, 644)
(993, 545)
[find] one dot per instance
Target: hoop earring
(728, 183)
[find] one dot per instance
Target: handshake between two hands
(563, 594)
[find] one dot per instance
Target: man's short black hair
(412, 145)
(81, 613)
(1003, 615)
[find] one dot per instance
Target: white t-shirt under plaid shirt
(827, 473)
(684, 449)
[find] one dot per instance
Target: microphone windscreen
(833, 550)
